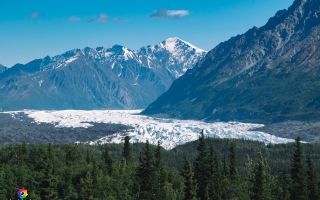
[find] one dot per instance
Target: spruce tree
(145, 174)
(232, 187)
(49, 181)
(127, 150)
(262, 181)
(201, 168)
(284, 184)
(95, 175)
(158, 155)
(225, 181)
(159, 167)
(214, 174)
(233, 172)
(10, 181)
(312, 180)
(225, 169)
(107, 161)
(189, 190)
(73, 154)
(23, 153)
(88, 160)
(88, 185)
(298, 174)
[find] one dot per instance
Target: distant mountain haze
(267, 74)
(112, 77)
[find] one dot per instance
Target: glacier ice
(171, 132)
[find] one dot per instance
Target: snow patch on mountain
(198, 50)
(70, 60)
(60, 60)
(40, 83)
(127, 53)
(108, 54)
(171, 132)
(170, 44)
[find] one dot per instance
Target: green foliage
(160, 170)
(201, 169)
(189, 190)
(146, 174)
(62, 171)
(298, 174)
(312, 181)
(233, 171)
(283, 189)
(127, 150)
(262, 180)
(215, 175)
(107, 161)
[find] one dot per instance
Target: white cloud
(102, 17)
(180, 13)
(163, 13)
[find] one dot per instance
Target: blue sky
(32, 29)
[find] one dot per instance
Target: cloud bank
(163, 13)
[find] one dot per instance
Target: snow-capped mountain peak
(174, 54)
(172, 44)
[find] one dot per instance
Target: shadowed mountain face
(268, 74)
(110, 78)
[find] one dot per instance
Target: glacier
(171, 132)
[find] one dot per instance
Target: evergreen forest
(206, 169)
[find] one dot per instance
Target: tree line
(200, 170)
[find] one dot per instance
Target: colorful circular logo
(22, 193)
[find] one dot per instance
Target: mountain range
(113, 77)
(268, 74)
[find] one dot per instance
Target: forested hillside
(204, 169)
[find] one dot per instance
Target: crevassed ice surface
(171, 132)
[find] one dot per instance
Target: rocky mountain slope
(2, 68)
(268, 74)
(112, 77)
